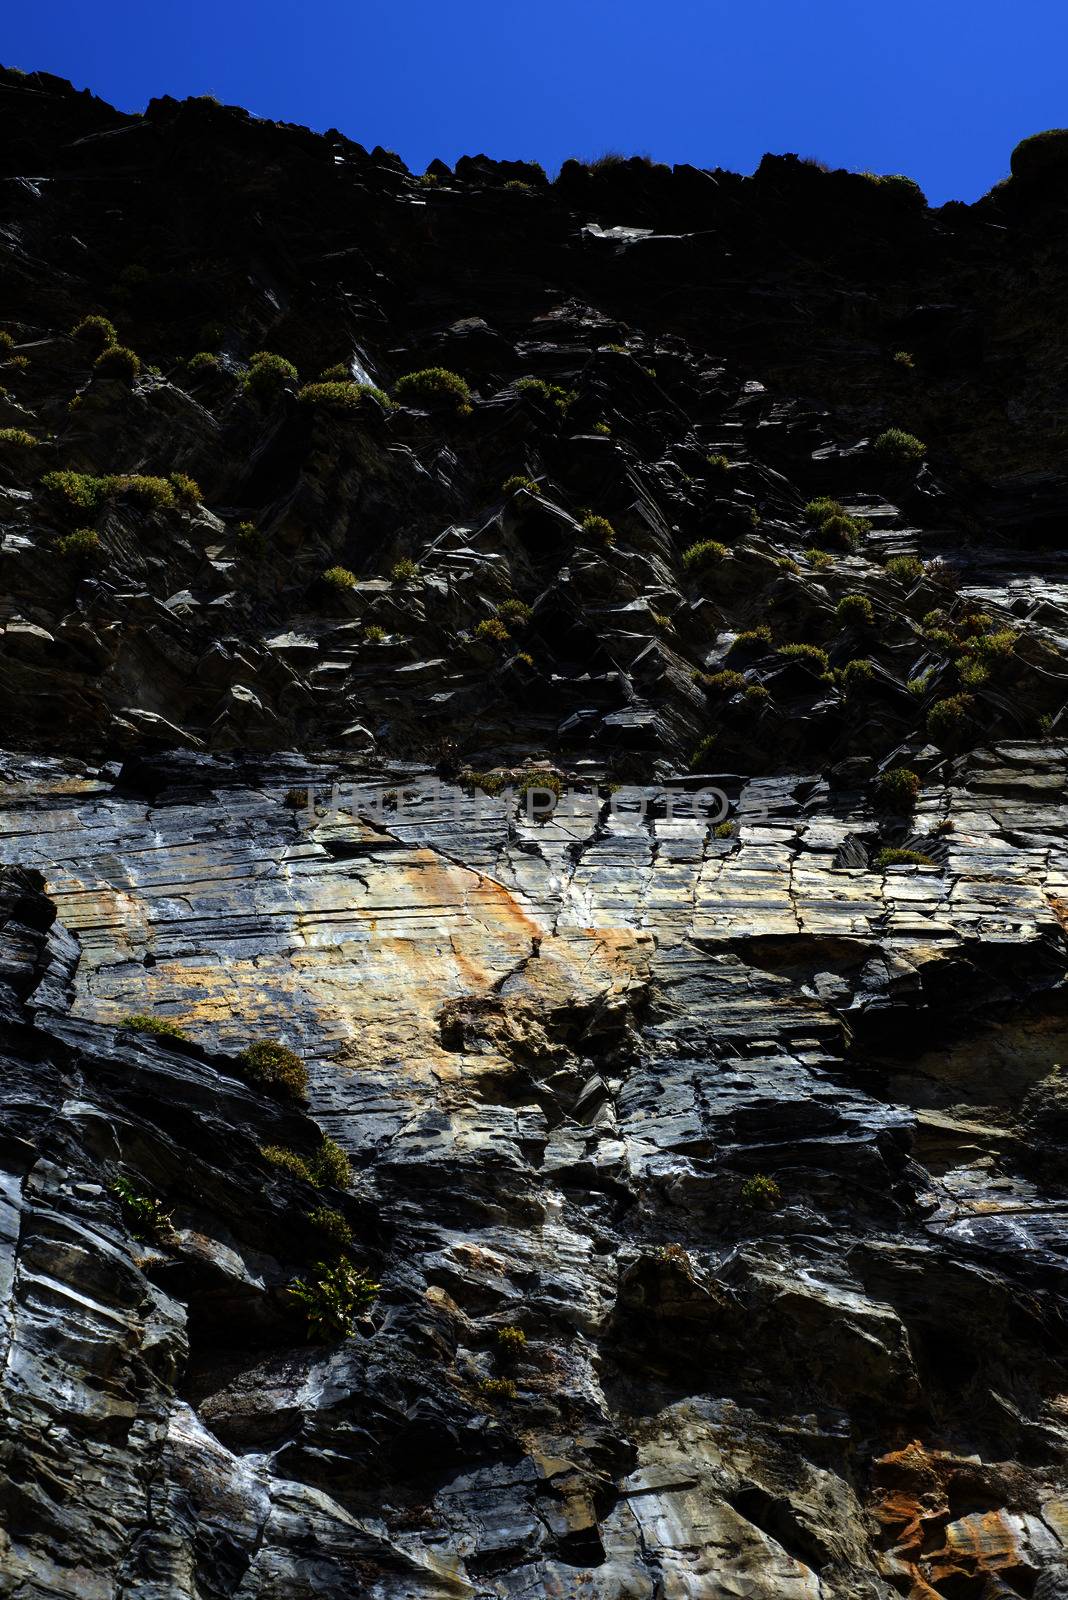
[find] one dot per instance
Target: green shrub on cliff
(517, 484)
(97, 333)
(342, 396)
(893, 857)
(947, 719)
(511, 1342)
(339, 578)
(897, 789)
(151, 494)
(855, 611)
(334, 1298)
(267, 375)
(703, 555)
(514, 612)
(75, 491)
(186, 489)
(82, 546)
(435, 387)
(117, 361)
(144, 1216)
(599, 530)
(329, 1164)
(808, 655)
(725, 682)
(499, 1388)
(332, 1225)
(833, 524)
(276, 1067)
(899, 447)
(760, 1192)
(906, 569)
(753, 639)
(18, 437)
(159, 1027)
(551, 393)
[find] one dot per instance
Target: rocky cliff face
(703, 1116)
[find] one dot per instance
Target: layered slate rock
(520, 755)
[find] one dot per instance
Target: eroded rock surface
(758, 1138)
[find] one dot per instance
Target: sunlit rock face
(698, 1120)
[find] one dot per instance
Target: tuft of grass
(900, 448)
(893, 857)
(856, 675)
(511, 1342)
(329, 1164)
(203, 365)
(514, 612)
(334, 1298)
(809, 655)
(117, 361)
(345, 395)
(499, 1388)
(724, 830)
(267, 376)
(250, 540)
(758, 638)
(760, 1192)
(144, 1216)
(82, 546)
(844, 533)
(603, 428)
(833, 524)
(819, 559)
(897, 790)
(972, 673)
(549, 393)
(7, 344)
(517, 484)
(333, 1225)
(493, 630)
(152, 494)
(374, 633)
(706, 553)
(702, 752)
(186, 489)
(905, 569)
(17, 436)
(76, 491)
(599, 530)
(276, 1067)
(718, 465)
(904, 358)
(855, 611)
(339, 578)
(724, 682)
(159, 1027)
(947, 719)
(97, 333)
(435, 388)
(996, 646)
(403, 571)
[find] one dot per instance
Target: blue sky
(940, 90)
